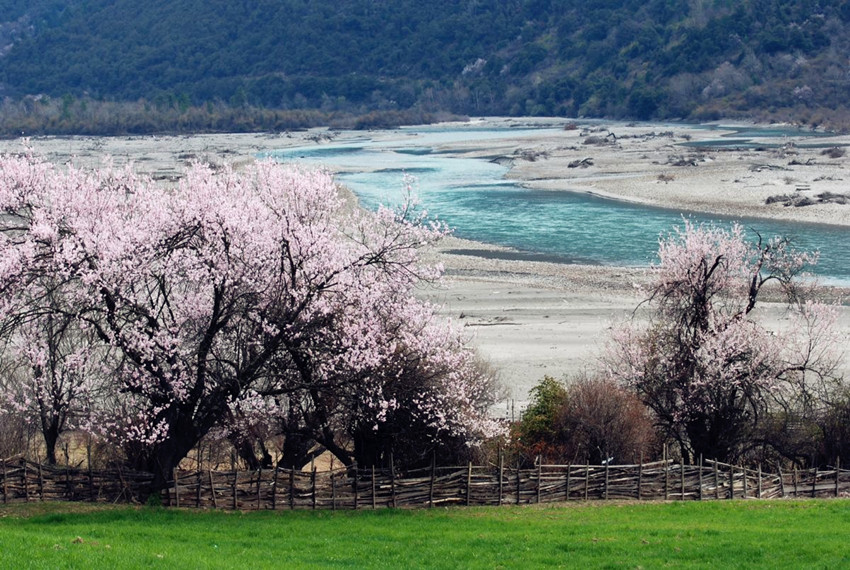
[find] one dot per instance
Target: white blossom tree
(52, 375)
(235, 292)
(706, 366)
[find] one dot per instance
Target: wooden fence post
(837, 474)
(731, 482)
(796, 490)
(233, 488)
(274, 487)
(68, 487)
(744, 471)
(700, 476)
(682, 476)
(355, 485)
(212, 490)
(468, 482)
(586, 479)
(26, 480)
(605, 490)
(540, 474)
(333, 485)
(40, 483)
(666, 480)
(91, 473)
(518, 482)
(313, 480)
(176, 488)
(815, 483)
(716, 481)
(640, 477)
(759, 491)
(569, 474)
(501, 475)
(5, 485)
(433, 476)
(781, 481)
(198, 495)
(259, 487)
(333, 490)
(392, 480)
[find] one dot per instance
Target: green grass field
(734, 534)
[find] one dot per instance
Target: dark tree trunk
(245, 452)
(50, 430)
(166, 456)
(296, 451)
(245, 449)
(369, 448)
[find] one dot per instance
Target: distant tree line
(68, 115)
(655, 59)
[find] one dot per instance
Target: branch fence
(371, 488)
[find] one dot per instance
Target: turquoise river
(473, 197)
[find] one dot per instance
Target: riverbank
(531, 319)
(670, 166)
(683, 167)
(528, 317)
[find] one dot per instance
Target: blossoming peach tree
(704, 361)
(232, 299)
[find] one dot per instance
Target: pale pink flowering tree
(413, 401)
(231, 292)
(703, 363)
(53, 374)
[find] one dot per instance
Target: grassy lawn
(734, 534)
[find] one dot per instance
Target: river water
(473, 197)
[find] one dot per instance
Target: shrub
(537, 432)
(606, 423)
(586, 420)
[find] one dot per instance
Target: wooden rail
(22, 480)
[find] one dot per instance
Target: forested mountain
(638, 59)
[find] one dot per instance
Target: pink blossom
(704, 363)
(235, 296)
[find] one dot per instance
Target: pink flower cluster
(230, 291)
(705, 363)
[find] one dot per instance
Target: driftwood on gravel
(834, 152)
(581, 163)
(799, 200)
(763, 167)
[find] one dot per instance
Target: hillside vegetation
(634, 59)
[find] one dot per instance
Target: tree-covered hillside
(640, 59)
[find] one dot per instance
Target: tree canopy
(713, 373)
(235, 300)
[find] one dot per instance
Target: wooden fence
(372, 488)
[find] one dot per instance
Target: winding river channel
(473, 197)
